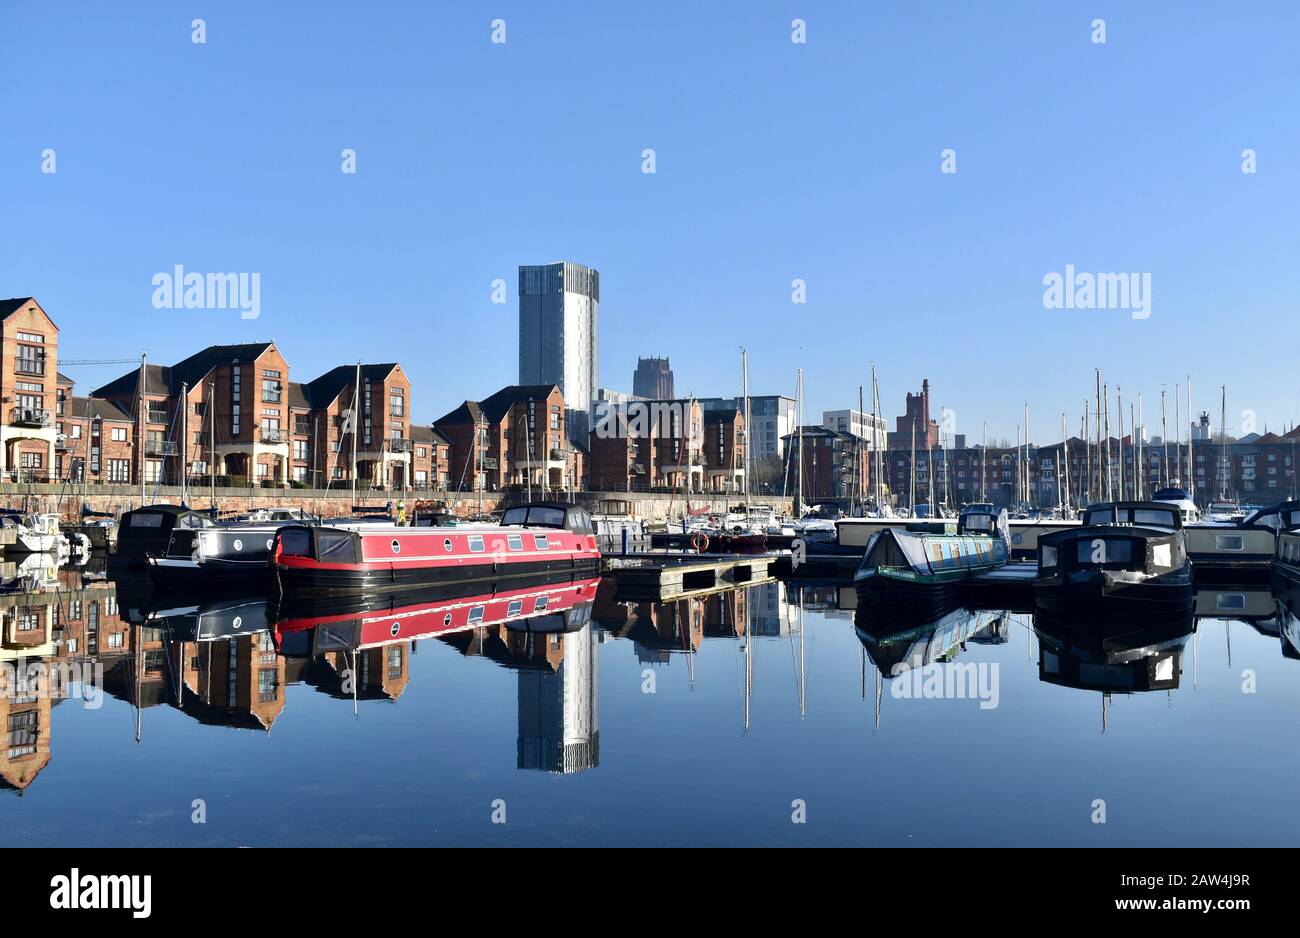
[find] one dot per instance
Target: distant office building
(867, 427)
(559, 335)
(653, 379)
(771, 418)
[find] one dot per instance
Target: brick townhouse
(655, 445)
(29, 353)
(224, 410)
(383, 427)
(512, 438)
(431, 458)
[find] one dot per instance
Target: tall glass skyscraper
(559, 335)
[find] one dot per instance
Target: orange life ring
(700, 542)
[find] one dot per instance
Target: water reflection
(231, 662)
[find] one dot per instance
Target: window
(268, 684)
(540, 542)
(515, 541)
(476, 543)
(119, 470)
(270, 391)
(515, 607)
(118, 434)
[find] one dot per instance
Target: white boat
(34, 533)
(1175, 494)
(1224, 512)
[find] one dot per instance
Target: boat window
(540, 604)
(1229, 542)
(295, 542)
(1106, 551)
(476, 543)
(515, 608)
(547, 517)
(476, 615)
(1047, 557)
(1234, 601)
(540, 542)
(335, 545)
(1152, 516)
(148, 520)
(1162, 555)
(515, 541)
(515, 516)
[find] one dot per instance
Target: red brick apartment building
(381, 397)
(224, 409)
(511, 439)
(660, 446)
(431, 459)
(836, 464)
(29, 355)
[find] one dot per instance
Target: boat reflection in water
(539, 628)
(1076, 653)
(903, 642)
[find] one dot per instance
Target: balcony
(158, 415)
(557, 454)
(272, 435)
(395, 445)
(61, 442)
(159, 448)
(29, 417)
(489, 462)
(29, 366)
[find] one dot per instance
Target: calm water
(708, 721)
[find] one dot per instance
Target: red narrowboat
(539, 538)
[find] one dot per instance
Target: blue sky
(774, 161)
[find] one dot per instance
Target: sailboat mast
(185, 436)
(799, 485)
(1191, 471)
(143, 434)
(1119, 403)
(749, 450)
(356, 424)
(1065, 457)
(1223, 443)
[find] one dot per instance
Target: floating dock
(677, 576)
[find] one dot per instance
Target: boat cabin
(561, 515)
(1137, 514)
(1283, 517)
(982, 519)
(147, 530)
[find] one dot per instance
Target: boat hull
(376, 578)
(1100, 593)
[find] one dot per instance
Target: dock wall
(651, 508)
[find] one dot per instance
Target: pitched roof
(13, 304)
(298, 396)
(95, 407)
(494, 407)
(421, 434)
(63, 380)
(161, 379)
(324, 390)
(468, 412)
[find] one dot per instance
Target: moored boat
(1128, 558)
(222, 556)
(925, 568)
(532, 539)
(148, 530)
